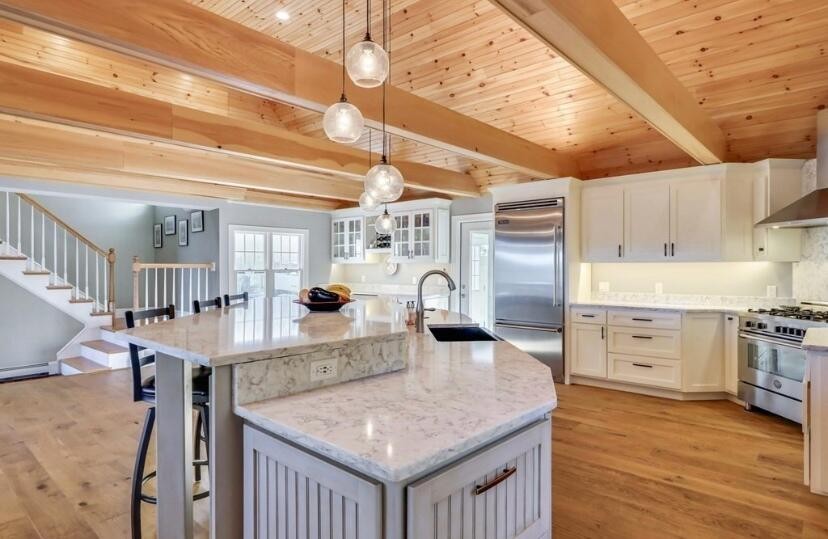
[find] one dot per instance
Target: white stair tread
(84, 365)
(12, 257)
(105, 346)
(59, 287)
(37, 272)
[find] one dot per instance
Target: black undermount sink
(461, 333)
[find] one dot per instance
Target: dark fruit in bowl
(320, 295)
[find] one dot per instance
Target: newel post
(110, 262)
(136, 270)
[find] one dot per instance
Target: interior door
(647, 221)
(476, 264)
(696, 219)
(602, 224)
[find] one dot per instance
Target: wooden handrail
(138, 266)
(63, 224)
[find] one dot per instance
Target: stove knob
(778, 329)
(761, 325)
(800, 332)
(785, 330)
(748, 324)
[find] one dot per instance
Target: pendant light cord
(385, 29)
(343, 98)
(367, 20)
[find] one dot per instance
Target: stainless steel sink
(461, 333)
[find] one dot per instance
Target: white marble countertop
(396, 289)
(816, 340)
(452, 398)
(661, 306)
(264, 329)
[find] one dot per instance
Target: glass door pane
(402, 236)
(422, 234)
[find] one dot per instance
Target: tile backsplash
(810, 274)
(712, 300)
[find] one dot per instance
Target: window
(267, 261)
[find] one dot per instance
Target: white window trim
(232, 229)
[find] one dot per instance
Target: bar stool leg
(138, 471)
(197, 441)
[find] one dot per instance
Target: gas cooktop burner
(798, 313)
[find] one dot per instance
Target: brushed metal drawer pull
(641, 337)
(642, 365)
(642, 319)
(507, 473)
(587, 316)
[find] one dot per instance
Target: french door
(267, 262)
(476, 250)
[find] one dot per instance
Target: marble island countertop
(816, 340)
(660, 306)
(454, 397)
(266, 329)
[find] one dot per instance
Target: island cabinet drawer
(662, 343)
(503, 491)
(649, 371)
(644, 319)
(289, 493)
(589, 315)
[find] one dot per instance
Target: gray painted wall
(468, 206)
(22, 328)
(317, 223)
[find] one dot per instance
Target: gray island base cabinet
(501, 490)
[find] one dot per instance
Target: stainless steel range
(771, 358)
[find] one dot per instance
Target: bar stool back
(199, 304)
(235, 299)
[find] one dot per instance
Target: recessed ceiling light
(283, 15)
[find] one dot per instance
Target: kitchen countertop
(735, 309)
(389, 289)
(452, 398)
(264, 329)
(816, 340)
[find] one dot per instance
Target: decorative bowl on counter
(323, 306)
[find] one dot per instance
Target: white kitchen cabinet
(603, 210)
(504, 490)
(348, 240)
(290, 493)
(589, 350)
(648, 371)
(703, 350)
(646, 221)
(731, 353)
(695, 220)
(698, 214)
(422, 235)
(776, 184)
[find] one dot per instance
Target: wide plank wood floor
(624, 465)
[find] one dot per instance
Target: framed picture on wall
(157, 236)
(169, 225)
(183, 233)
(197, 221)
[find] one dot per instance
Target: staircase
(46, 257)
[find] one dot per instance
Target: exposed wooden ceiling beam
(193, 40)
(596, 37)
(39, 141)
(28, 92)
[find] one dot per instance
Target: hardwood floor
(624, 465)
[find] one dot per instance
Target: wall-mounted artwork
(157, 236)
(169, 225)
(197, 221)
(183, 233)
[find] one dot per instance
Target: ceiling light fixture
(385, 224)
(343, 122)
(283, 15)
(384, 182)
(367, 63)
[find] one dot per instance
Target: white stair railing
(93, 266)
(162, 284)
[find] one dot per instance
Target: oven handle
(769, 341)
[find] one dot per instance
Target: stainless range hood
(812, 209)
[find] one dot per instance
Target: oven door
(772, 364)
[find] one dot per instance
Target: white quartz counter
(452, 399)
(816, 340)
(395, 289)
(265, 329)
(734, 309)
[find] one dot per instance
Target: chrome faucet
(420, 309)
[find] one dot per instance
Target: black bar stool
(143, 389)
(199, 304)
(235, 299)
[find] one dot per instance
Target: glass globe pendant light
(367, 202)
(343, 122)
(367, 63)
(385, 224)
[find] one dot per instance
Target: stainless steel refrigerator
(529, 271)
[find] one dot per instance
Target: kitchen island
(815, 410)
(448, 438)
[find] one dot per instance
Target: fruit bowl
(323, 306)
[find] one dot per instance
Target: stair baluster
(31, 239)
(8, 221)
(53, 276)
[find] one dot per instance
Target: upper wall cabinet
(776, 184)
(422, 233)
(700, 214)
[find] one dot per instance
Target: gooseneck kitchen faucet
(420, 326)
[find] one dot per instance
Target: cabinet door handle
(672, 249)
(619, 250)
(642, 365)
(665, 249)
(642, 319)
(506, 474)
(642, 337)
(602, 333)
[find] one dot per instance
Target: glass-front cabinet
(347, 240)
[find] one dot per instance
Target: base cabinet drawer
(503, 491)
(649, 371)
(588, 315)
(662, 343)
(644, 319)
(290, 493)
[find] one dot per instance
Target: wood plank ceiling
(757, 66)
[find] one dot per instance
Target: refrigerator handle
(555, 266)
(559, 278)
(531, 328)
